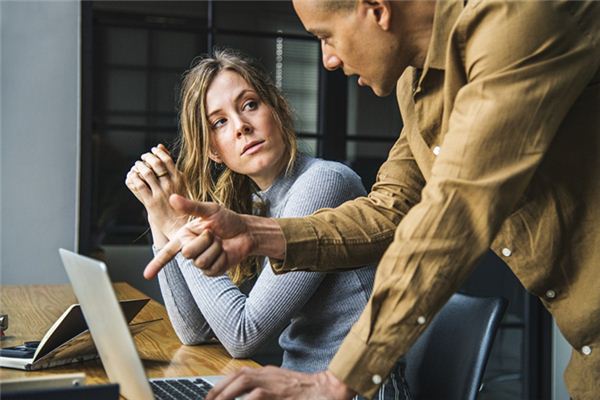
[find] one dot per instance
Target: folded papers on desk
(69, 340)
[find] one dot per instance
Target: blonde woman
(238, 148)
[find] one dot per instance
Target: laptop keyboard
(170, 389)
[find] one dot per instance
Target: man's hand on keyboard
(279, 383)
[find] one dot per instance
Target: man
(499, 149)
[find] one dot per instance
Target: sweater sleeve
(186, 318)
(242, 323)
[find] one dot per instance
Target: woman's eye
(218, 123)
(251, 105)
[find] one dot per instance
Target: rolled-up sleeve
(357, 232)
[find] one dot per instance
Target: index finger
(163, 154)
(162, 258)
(164, 148)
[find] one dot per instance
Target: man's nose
(330, 60)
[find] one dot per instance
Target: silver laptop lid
(107, 325)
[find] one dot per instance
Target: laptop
(113, 341)
(56, 387)
(92, 392)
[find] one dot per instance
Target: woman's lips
(252, 147)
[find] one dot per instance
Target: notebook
(67, 341)
(93, 289)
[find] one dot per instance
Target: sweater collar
(278, 190)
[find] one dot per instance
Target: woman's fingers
(155, 164)
(147, 174)
(164, 148)
(163, 154)
(139, 188)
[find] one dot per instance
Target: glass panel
(357, 150)
(119, 217)
(167, 119)
(308, 146)
(121, 148)
(156, 11)
(293, 65)
(262, 49)
(166, 91)
(503, 375)
(113, 204)
(177, 49)
(168, 138)
(126, 46)
(126, 90)
(126, 120)
(263, 16)
(297, 74)
(365, 158)
(369, 115)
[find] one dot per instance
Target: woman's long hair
(204, 179)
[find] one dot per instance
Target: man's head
(369, 38)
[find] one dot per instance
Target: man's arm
(351, 235)
(359, 231)
(515, 94)
(218, 239)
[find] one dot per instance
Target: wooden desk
(32, 310)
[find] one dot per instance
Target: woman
(238, 148)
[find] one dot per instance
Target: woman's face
(243, 132)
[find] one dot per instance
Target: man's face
(353, 41)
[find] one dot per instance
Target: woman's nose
(243, 128)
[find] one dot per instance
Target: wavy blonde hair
(204, 179)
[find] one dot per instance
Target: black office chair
(448, 361)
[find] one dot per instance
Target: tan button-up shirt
(500, 149)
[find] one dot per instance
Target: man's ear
(379, 11)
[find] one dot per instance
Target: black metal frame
(537, 359)
(333, 96)
(85, 161)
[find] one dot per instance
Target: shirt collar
(446, 15)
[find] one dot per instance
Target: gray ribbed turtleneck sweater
(315, 310)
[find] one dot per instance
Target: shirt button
(421, 320)
(586, 350)
(376, 379)
(550, 294)
(436, 150)
(506, 252)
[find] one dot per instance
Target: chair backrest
(448, 360)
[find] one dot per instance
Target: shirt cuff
(363, 368)
(301, 245)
